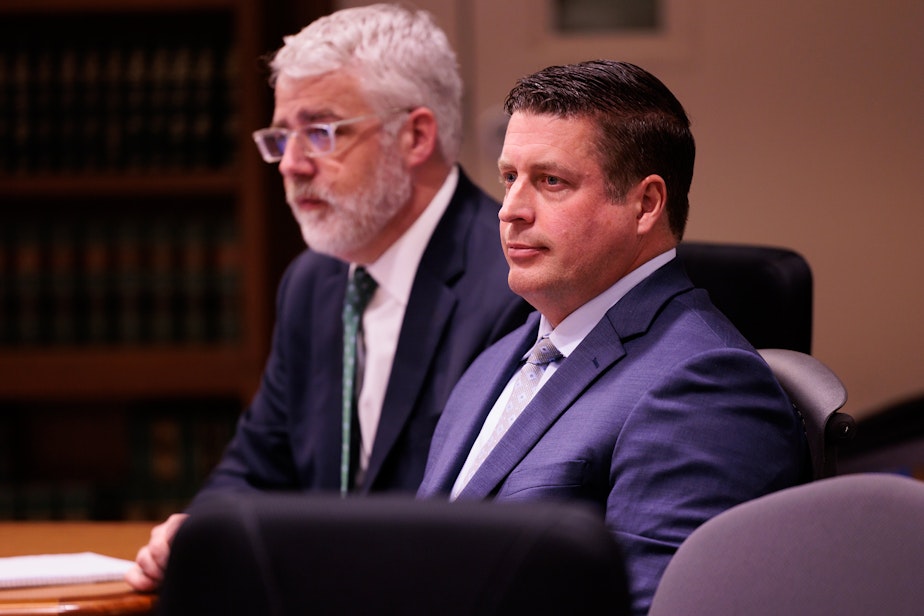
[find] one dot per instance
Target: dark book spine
(96, 291)
(7, 112)
(128, 279)
(193, 273)
(160, 283)
(90, 139)
(62, 282)
(7, 296)
(27, 284)
(227, 283)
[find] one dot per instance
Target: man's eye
(508, 178)
(317, 136)
(551, 180)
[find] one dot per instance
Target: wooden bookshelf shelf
(72, 374)
(130, 191)
(134, 268)
(48, 185)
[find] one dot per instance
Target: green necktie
(359, 291)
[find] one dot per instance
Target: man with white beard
(366, 132)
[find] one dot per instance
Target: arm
(259, 454)
(714, 431)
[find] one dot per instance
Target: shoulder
(311, 275)
(466, 242)
(472, 211)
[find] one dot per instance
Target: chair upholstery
(281, 554)
(847, 545)
(817, 394)
(765, 291)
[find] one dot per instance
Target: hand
(148, 571)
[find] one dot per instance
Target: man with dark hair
(628, 389)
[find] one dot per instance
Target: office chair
(817, 394)
(282, 554)
(847, 545)
(765, 291)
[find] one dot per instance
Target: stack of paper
(50, 569)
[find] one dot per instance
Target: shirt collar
(572, 330)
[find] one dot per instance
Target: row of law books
(161, 279)
(46, 500)
(174, 449)
(119, 104)
(172, 457)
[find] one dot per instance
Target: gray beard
(353, 221)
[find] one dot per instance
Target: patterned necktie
(525, 385)
(359, 291)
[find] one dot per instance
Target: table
(118, 539)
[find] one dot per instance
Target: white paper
(50, 569)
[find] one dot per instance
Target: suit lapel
(599, 350)
(469, 406)
(597, 353)
(430, 307)
(324, 348)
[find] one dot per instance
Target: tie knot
(360, 289)
(543, 352)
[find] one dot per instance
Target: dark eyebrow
(548, 167)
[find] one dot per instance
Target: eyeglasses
(319, 139)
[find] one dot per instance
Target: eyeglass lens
(318, 140)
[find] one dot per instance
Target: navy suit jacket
(289, 437)
(662, 417)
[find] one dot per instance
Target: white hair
(400, 57)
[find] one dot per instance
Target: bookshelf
(129, 202)
(135, 267)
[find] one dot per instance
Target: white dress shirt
(394, 272)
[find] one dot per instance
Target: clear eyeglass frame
(319, 138)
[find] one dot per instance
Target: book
(94, 289)
(194, 268)
(26, 283)
(61, 283)
(127, 280)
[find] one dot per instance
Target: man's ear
(652, 199)
(419, 136)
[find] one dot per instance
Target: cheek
(596, 242)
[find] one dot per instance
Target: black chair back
(282, 554)
(766, 291)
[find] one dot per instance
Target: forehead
(549, 140)
(329, 96)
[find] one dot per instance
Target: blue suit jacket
(289, 437)
(662, 417)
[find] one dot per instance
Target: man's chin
(332, 242)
